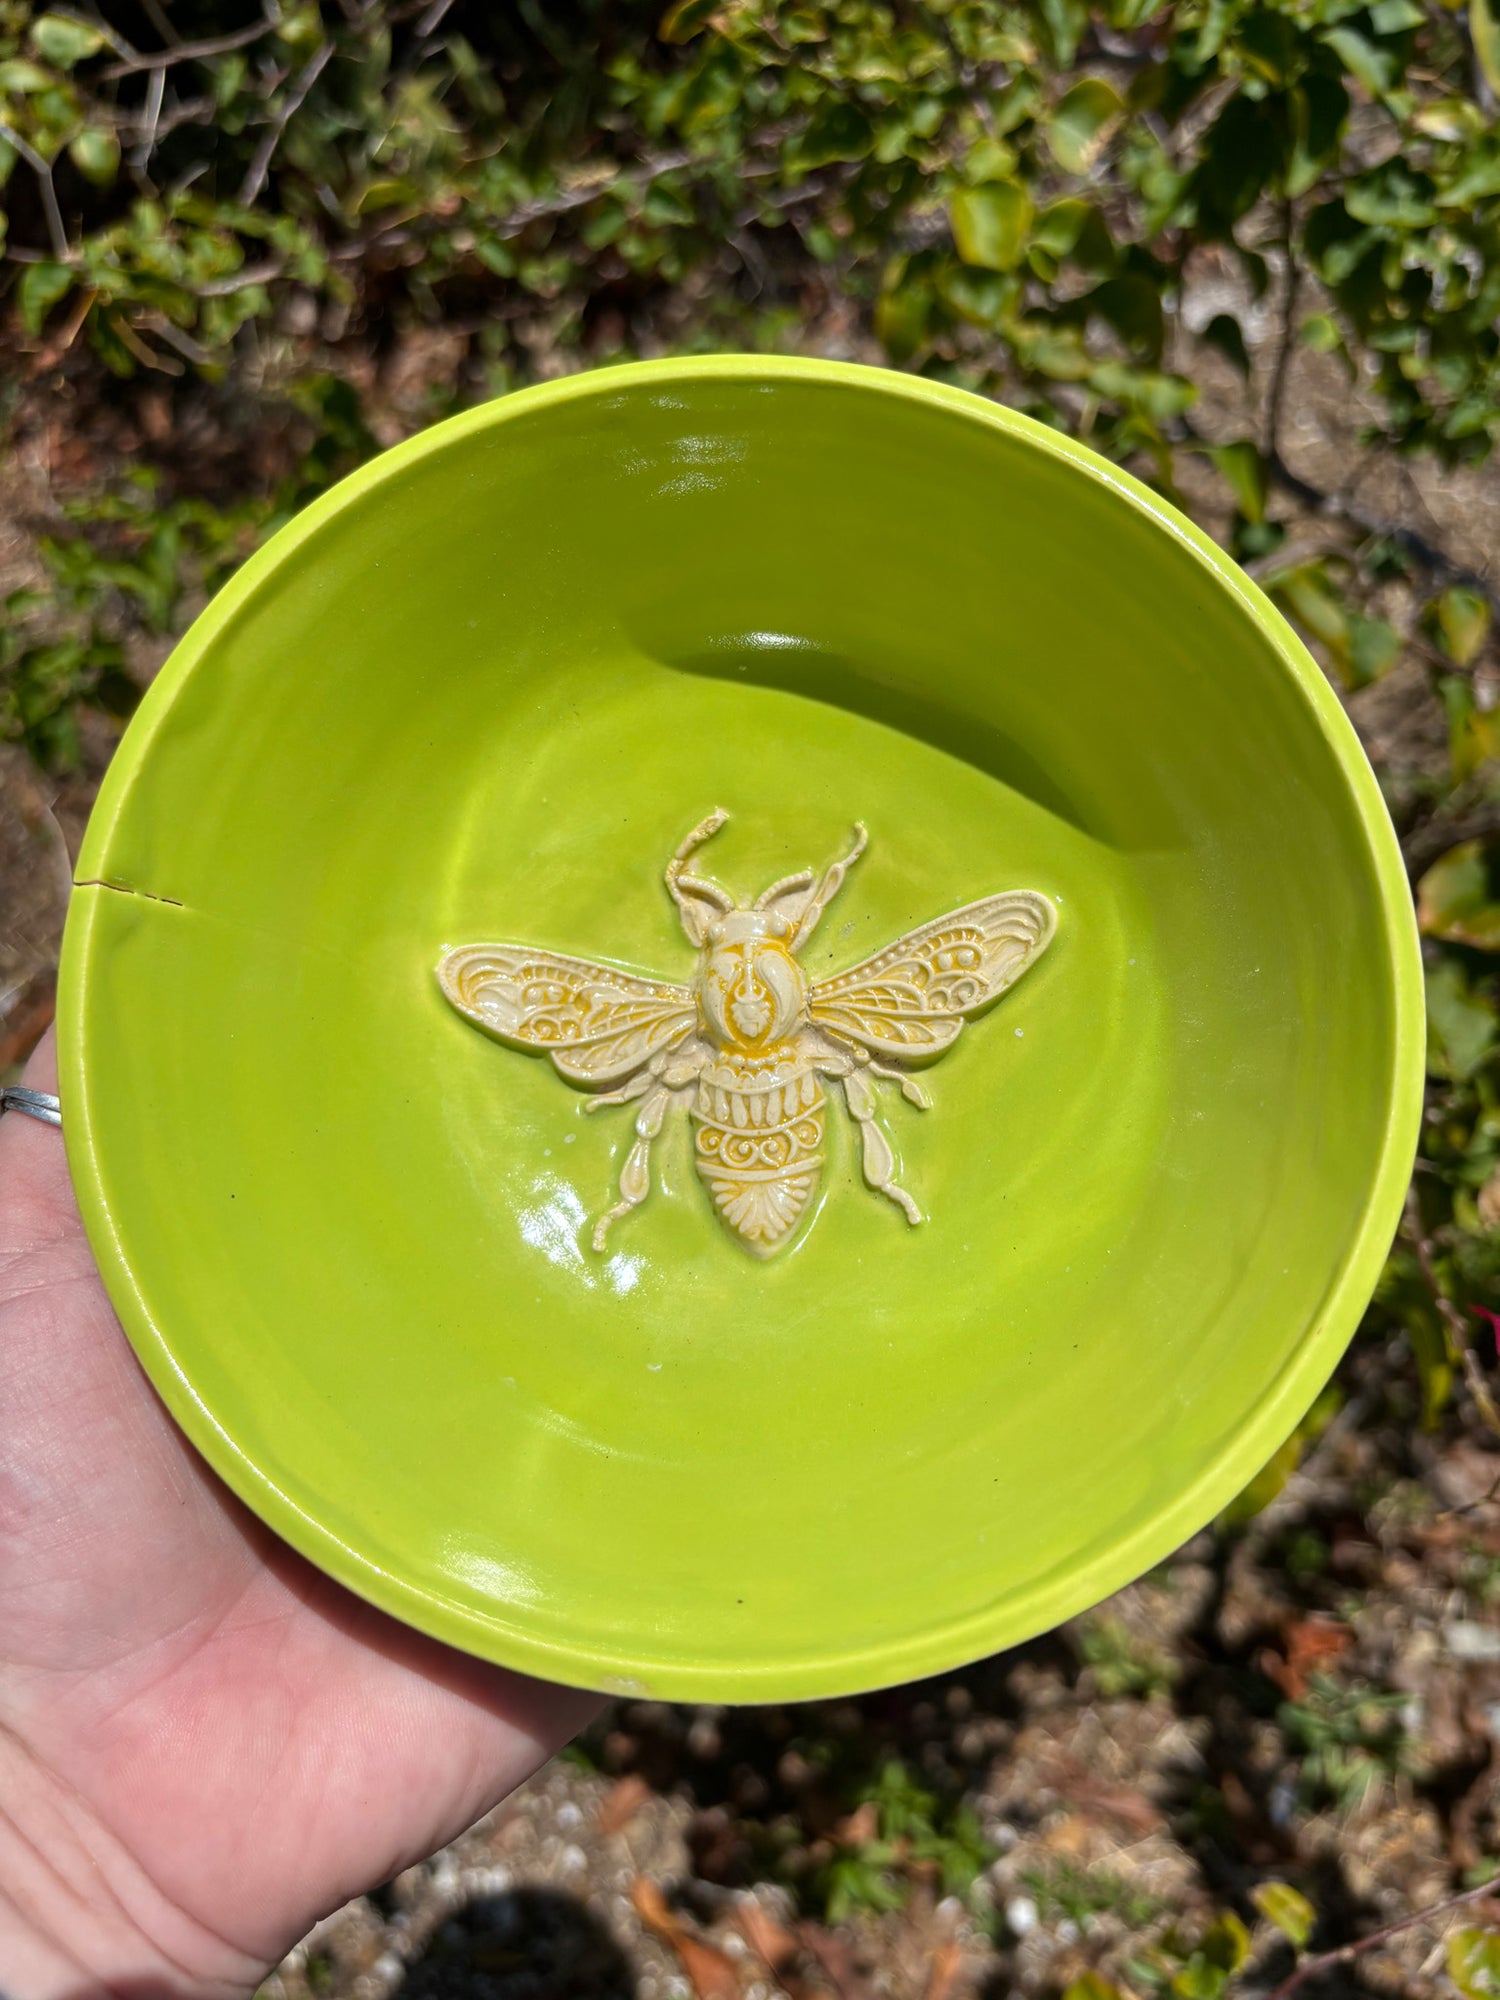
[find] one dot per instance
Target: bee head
(788, 910)
(739, 926)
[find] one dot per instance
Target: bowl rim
(1015, 1615)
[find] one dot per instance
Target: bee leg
(911, 1090)
(637, 1087)
(635, 1175)
(879, 1161)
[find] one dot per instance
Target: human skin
(205, 1744)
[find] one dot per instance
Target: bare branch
(156, 90)
(241, 280)
(1421, 551)
(43, 171)
(215, 45)
(260, 166)
(1326, 1961)
(1432, 839)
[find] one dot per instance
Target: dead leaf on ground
(947, 1966)
(836, 1962)
(772, 1943)
(861, 1827)
(1093, 1797)
(1308, 1644)
(710, 1974)
(621, 1803)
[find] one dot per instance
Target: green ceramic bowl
(480, 692)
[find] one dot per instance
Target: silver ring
(35, 1103)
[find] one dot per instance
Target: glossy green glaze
(481, 690)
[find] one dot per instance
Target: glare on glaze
(744, 1049)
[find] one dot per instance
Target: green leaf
(1065, 21)
(1226, 1943)
(989, 160)
(1319, 110)
(1092, 1986)
(1254, 1498)
(1322, 333)
(903, 313)
(63, 41)
(839, 131)
(1013, 105)
(1059, 225)
(1450, 118)
(96, 154)
(1484, 27)
(1316, 602)
(1458, 899)
(302, 28)
(41, 286)
(1376, 68)
(1287, 1908)
(1459, 619)
(990, 224)
(1392, 194)
(687, 18)
(1132, 306)
(1461, 1023)
(1225, 333)
(25, 79)
(1478, 177)
(1082, 122)
(1242, 466)
(1374, 648)
(1242, 152)
(1474, 1963)
(984, 298)
(1057, 352)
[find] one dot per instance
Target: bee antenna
(685, 889)
(829, 887)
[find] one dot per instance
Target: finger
(37, 1209)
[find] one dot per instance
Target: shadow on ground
(523, 1944)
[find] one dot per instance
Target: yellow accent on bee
(745, 1047)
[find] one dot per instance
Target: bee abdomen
(759, 1146)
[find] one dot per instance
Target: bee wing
(599, 1025)
(910, 1000)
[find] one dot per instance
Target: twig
(67, 333)
(214, 45)
(579, 197)
(247, 275)
(113, 38)
(156, 91)
(1325, 1961)
(1337, 508)
(43, 171)
(146, 355)
(1432, 839)
(1448, 1312)
(260, 166)
(161, 21)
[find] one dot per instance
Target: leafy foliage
(1350, 1738)
(1015, 195)
(899, 1832)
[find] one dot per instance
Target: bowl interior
(481, 694)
